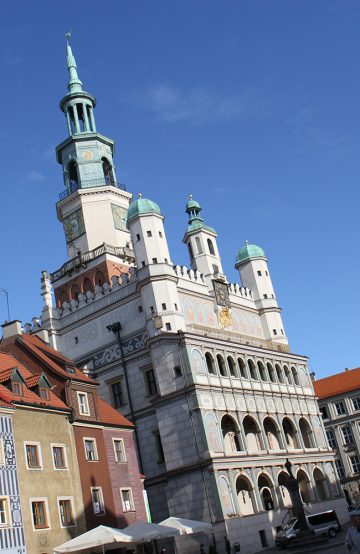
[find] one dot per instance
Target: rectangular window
(339, 468)
(97, 500)
(83, 403)
(355, 463)
(265, 296)
(154, 260)
(259, 273)
(168, 326)
(127, 500)
(159, 447)
(340, 408)
(149, 233)
(119, 450)
(275, 333)
(163, 306)
(324, 412)
(150, 382)
(66, 512)
(160, 234)
(39, 514)
(4, 512)
(331, 439)
(59, 457)
(356, 403)
(117, 394)
(137, 237)
(33, 456)
(90, 450)
(347, 434)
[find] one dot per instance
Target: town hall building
(200, 365)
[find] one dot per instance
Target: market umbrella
(187, 526)
(141, 531)
(99, 537)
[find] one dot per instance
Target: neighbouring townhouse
(339, 401)
(77, 463)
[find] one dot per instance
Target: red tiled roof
(111, 416)
(32, 381)
(338, 384)
(7, 363)
(42, 351)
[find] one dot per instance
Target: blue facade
(11, 538)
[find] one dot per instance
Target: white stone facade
(217, 397)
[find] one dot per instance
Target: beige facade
(37, 433)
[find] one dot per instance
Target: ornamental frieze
(112, 353)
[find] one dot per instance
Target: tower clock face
(119, 216)
(221, 293)
(74, 225)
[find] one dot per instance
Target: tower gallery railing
(91, 183)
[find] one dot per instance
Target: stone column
(86, 119)
(76, 119)
(68, 121)
(233, 490)
(92, 119)
(259, 503)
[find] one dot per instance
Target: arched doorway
(266, 490)
(246, 497)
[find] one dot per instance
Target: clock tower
(93, 206)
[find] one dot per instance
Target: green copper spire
(196, 222)
(74, 85)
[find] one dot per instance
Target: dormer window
(83, 403)
(44, 393)
(70, 369)
(16, 388)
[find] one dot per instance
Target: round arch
(304, 485)
(221, 365)
(246, 496)
(231, 366)
(230, 432)
(242, 368)
(209, 359)
(266, 490)
(320, 484)
(272, 433)
(252, 434)
(99, 278)
(290, 433)
(87, 285)
(262, 371)
(252, 370)
(306, 433)
(283, 478)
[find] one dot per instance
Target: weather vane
(68, 37)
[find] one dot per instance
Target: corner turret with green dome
(142, 206)
(249, 251)
(201, 242)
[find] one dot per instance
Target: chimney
(42, 334)
(346, 369)
(12, 329)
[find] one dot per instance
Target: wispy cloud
(314, 137)
(11, 58)
(197, 105)
(32, 176)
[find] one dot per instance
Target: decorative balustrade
(121, 252)
(89, 184)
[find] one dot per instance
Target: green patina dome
(142, 206)
(249, 251)
(192, 204)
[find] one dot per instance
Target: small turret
(252, 265)
(201, 242)
(157, 280)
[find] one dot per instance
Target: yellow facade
(38, 434)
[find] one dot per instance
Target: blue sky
(251, 106)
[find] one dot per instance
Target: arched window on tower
(107, 170)
(230, 433)
(210, 363)
(73, 175)
(99, 278)
(198, 245)
(211, 247)
(191, 254)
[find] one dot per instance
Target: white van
(323, 523)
